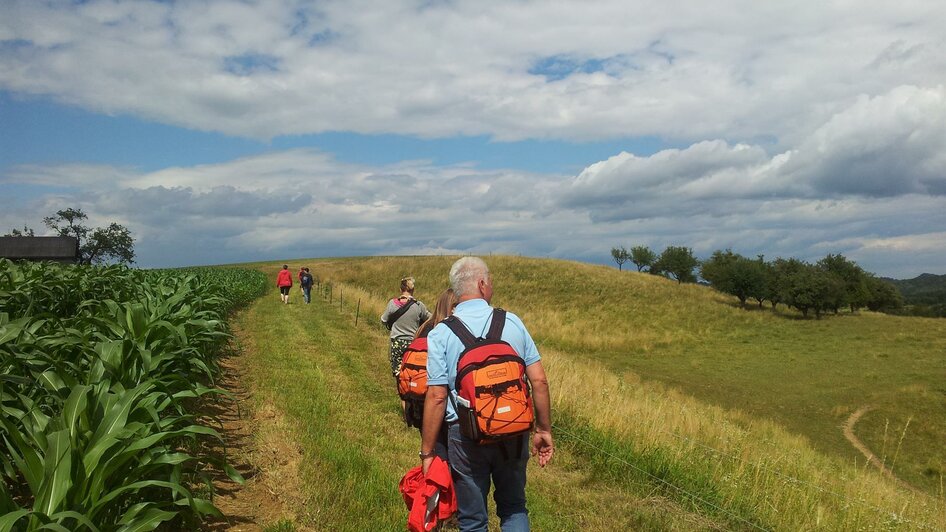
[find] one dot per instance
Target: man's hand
(542, 446)
(425, 463)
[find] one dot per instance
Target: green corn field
(102, 370)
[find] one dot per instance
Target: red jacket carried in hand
(430, 499)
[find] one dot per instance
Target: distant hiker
(402, 317)
(284, 282)
(306, 281)
(485, 444)
(412, 378)
(301, 271)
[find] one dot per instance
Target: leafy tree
(678, 262)
(800, 288)
(856, 292)
(27, 231)
(780, 283)
(807, 287)
(620, 256)
(884, 295)
(830, 290)
(96, 245)
(734, 274)
(762, 291)
(643, 257)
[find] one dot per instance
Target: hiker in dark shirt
(403, 316)
(306, 281)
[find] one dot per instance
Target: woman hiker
(284, 282)
(402, 317)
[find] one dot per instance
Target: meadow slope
(807, 375)
(678, 409)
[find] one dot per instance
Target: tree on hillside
(642, 257)
(678, 262)
(799, 287)
(780, 281)
(620, 256)
(856, 292)
(96, 245)
(734, 274)
(27, 231)
(807, 287)
(762, 291)
(830, 291)
(884, 296)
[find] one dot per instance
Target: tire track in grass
(347, 481)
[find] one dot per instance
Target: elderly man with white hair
(475, 465)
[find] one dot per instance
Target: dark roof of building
(39, 247)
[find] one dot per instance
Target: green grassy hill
(805, 374)
(730, 418)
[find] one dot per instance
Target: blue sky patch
(250, 63)
(558, 67)
(37, 130)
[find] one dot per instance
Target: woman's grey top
(408, 323)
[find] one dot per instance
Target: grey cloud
(183, 225)
(882, 146)
(160, 203)
(885, 146)
(647, 186)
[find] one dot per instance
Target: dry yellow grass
(583, 316)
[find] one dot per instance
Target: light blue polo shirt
(444, 348)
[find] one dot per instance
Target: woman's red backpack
(412, 381)
(493, 402)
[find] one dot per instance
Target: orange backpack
(412, 381)
(493, 402)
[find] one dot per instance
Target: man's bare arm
(542, 439)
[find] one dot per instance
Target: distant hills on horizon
(924, 295)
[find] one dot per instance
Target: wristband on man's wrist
(426, 455)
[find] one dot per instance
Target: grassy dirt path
(848, 430)
(327, 447)
(267, 462)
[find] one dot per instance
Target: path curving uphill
(848, 429)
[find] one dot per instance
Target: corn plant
(100, 371)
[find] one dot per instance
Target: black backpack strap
(396, 315)
(460, 330)
(497, 324)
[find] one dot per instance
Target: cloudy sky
(223, 131)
